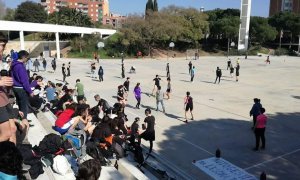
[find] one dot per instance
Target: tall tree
(9, 15)
(2, 9)
(30, 12)
(149, 7)
(155, 6)
(261, 31)
(286, 21)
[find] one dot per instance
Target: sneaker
(255, 149)
(186, 121)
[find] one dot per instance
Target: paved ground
(221, 110)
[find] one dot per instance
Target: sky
(124, 7)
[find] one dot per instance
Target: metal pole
(280, 39)
(299, 44)
(228, 48)
(22, 43)
(57, 45)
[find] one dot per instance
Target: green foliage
(286, 21)
(10, 15)
(30, 12)
(261, 31)
(151, 6)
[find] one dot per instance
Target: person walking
(156, 83)
(21, 86)
(168, 70)
(228, 64)
(190, 67)
(36, 65)
(126, 84)
(149, 133)
(188, 106)
(123, 70)
(160, 99)
(168, 88)
(218, 75)
(100, 73)
(268, 60)
(255, 110)
(137, 94)
(63, 69)
(259, 131)
(237, 72)
(69, 69)
(53, 63)
(44, 64)
(193, 71)
(231, 70)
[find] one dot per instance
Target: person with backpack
(100, 73)
(218, 75)
(44, 64)
(255, 110)
(188, 106)
(149, 133)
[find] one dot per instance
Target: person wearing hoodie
(21, 86)
(255, 110)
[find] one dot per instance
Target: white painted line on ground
(273, 159)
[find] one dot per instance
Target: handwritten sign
(220, 169)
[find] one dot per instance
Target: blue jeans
(22, 100)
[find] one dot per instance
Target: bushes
(281, 51)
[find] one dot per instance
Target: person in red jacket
(64, 120)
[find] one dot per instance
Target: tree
(151, 6)
(287, 21)
(2, 9)
(261, 31)
(10, 15)
(30, 12)
(155, 6)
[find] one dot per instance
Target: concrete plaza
(221, 111)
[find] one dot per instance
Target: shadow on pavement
(199, 140)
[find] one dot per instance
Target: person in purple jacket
(21, 86)
(137, 93)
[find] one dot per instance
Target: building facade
(95, 9)
(115, 20)
(284, 5)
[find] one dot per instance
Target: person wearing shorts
(188, 106)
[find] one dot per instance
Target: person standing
(160, 99)
(53, 63)
(149, 133)
(255, 110)
(80, 89)
(137, 94)
(100, 73)
(69, 69)
(28, 66)
(193, 71)
(228, 64)
(168, 70)
(7, 124)
(123, 70)
(126, 84)
(260, 127)
(268, 60)
(63, 69)
(231, 70)
(218, 75)
(121, 95)
(237, 72)
(168, 88)
(36, 65)
(188, 106)
(190, 67)
(156, 83)
(44, 64)
(21, 86)
(93, 70)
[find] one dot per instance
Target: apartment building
(284, 5)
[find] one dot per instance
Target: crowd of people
(88, 136)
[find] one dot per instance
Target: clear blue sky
(124, 7)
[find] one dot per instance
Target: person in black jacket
(64, 73)
(218, 74)
(149, 133)
(255, 110)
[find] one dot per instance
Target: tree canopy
(261, 31)
(286, 21)
(29, 11)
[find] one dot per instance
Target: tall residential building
(95, 9)
(284, 5)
